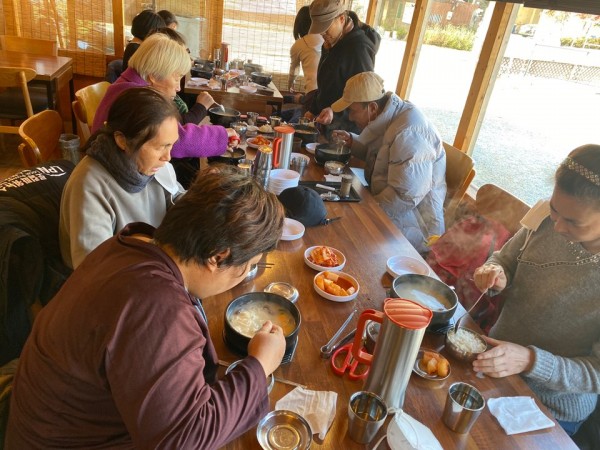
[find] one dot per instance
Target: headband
(573, 165)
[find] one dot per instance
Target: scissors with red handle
(342, 361)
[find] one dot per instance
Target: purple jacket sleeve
(200, 140)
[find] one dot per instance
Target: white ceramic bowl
(337, 298)
(292, 230)
(311, 147)
(401, 265)
(248, 89)
(312, 265)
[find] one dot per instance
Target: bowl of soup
(428, 292)
(245, 315)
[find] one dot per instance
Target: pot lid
(284, 289)
(407, 313)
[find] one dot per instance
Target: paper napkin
(518, 414)
(317, 407)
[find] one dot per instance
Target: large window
(453, 38)
(545, 102)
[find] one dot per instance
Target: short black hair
(145, 22)
(222, 210)
(168, 17)
(302, 22)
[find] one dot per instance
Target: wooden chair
(85, 106)
(459, 174)
(41, 133)
(493, 202)
(16, 105)
(28, 45)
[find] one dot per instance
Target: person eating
(547, 330)
(122, 356)
(125, 177)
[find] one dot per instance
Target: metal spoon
(221, 107)
(468, 311)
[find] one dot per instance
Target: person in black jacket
(347, 51)
(31, 266)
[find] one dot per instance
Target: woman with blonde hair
(161, 63)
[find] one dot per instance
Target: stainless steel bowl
(281, 429)
(460, 353)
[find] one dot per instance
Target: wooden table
(54, 72)
(242, 101)
(367, 238)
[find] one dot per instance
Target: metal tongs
(334, 343)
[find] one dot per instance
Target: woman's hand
(326, 116)
(490, 276)
(205, 99)
(233, 138)
(343, 135)
(504, 359)
(268, 346)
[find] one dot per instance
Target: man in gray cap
(347, 51)
(405, 159)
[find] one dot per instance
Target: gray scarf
(118, 163)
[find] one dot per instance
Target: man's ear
(215, 260)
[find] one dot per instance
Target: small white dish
(292, 230)
(252, 143)
(348, 281)
(196, 81)
(248, 89)
(401, 265)
(311, 147)
(340, 256)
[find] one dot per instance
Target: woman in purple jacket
(161, 62)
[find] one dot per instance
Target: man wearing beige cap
(405, 160)
(347, 50)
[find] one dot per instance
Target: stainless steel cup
(464, 403)
(245, 165)
(346, 185)
(366, 414)
(275, 121)
(299, 165)
(261, 167)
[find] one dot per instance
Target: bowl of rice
(464, 344)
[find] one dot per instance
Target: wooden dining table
(262, 102)
(367, 238)
(53, 72)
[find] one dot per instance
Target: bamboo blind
(82, 28)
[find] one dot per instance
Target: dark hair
(136, 114)
(579, 174)
(223, 209)
(145, 22)
(168, 17)
(174, 35)
(302, 22)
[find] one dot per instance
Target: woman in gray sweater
(549, 327)
(125, 177)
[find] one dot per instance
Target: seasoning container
(284, 289)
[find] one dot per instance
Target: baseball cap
(304, 205)
(362, 87)
(322, 13)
